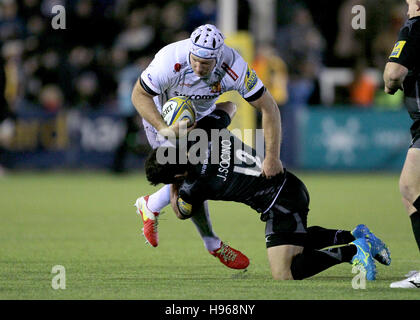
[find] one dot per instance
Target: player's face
(202, 67)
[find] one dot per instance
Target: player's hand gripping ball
(177, 109)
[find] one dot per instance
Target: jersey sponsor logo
(250, 79)
(229, 71)
(216, 87)
(198, 96)
(397, 49)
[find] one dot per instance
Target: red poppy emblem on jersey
(177, 67)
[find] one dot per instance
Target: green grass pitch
(86, 222)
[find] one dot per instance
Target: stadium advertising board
(64, 140)
(353, 139)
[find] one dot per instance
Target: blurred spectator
(203, 12)
(350, 43)
(83, 52)
(363, 87)
(29, 8)
(51, 98)
(172, 22)
(4, 109)
(88, 27)
(138, 35)
(85, 80)
(11, 26)
(272, 71)
(12, 54)
(6, 116)
(386, 38)
(127, 77)
(87, 94)
(301, 46)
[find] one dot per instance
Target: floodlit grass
(86, 222)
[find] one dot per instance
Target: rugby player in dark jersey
(231, 171)
(402, 72)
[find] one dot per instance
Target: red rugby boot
(230, 257)
(150, 221)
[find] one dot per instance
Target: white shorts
(151, 134)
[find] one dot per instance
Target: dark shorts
(286, 228)
(286, 221)
(415, 142)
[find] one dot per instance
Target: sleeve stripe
(147, 88)
(256, 95)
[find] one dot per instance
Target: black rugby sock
(311, 262)
(318, 237)
(415, 223)
(416, 203)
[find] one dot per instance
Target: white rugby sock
(160, 199)
(202, 222)
(212, 243)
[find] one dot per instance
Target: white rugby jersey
(170, 74)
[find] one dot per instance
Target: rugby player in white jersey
(202, 68)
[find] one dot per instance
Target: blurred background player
(292, 247)
(402, 72)
(202, 68)
(6, 115)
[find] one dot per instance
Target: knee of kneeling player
(408, 191)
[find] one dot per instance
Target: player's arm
(182, 209)
(142, 99)
(403, 57)
(246, 82)
(145, 106)
(271, 123)
(394, 75)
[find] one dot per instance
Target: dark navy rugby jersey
(231, 171)
(406, 52)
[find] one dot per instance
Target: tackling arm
(394, 75)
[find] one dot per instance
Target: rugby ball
(177, 109)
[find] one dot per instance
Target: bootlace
(227, 253)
